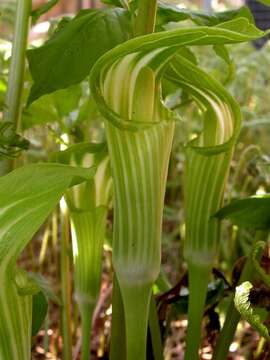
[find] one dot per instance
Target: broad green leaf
(251, 212)
(53, 107)
(242, 304)
(68, 56)
(27, 196)
(43, 9)
(167, 13)
(40, 112)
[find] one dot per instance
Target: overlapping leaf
(68, 56)
(251, 212)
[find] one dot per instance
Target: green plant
(136, 136)
(136, 81)
(88, 205)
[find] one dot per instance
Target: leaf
(250, 213)
(265, 2)
(40, 112)
(43, 9)
(40, 301)
(78, 151)
(27, 195)
(39, 311)
(170, 13)
(242, 304)
(68, 56)
(224, 54)
(52, 107)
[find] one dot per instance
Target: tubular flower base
(88, 204)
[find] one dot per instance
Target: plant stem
(17, 67)
(146, 18)
(155, 330)
(198, 278)
(86, 311)
(136, 304)
(13, 100)
(232, 319)
(65, 286)
(118, 329)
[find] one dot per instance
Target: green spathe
(126, 85)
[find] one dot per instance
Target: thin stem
(198, 278)
(136, 304)
(66, 287)
(232, 319)
(17, 67)
(86, 311)
(146, 18)
(155, 330)
(118, 325)
(13, 100)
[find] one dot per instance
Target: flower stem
(146, 19)
(198, 281)
(136, 304)
(65, 287)
(118, 329)
(13, 100)
(155, 330)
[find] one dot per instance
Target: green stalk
(118, 329)
(66, 285)
(13, 100)
(86, 311)
(198, 281)
(146, 18)
(155, 330)
(232, 319)
(136, 305)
